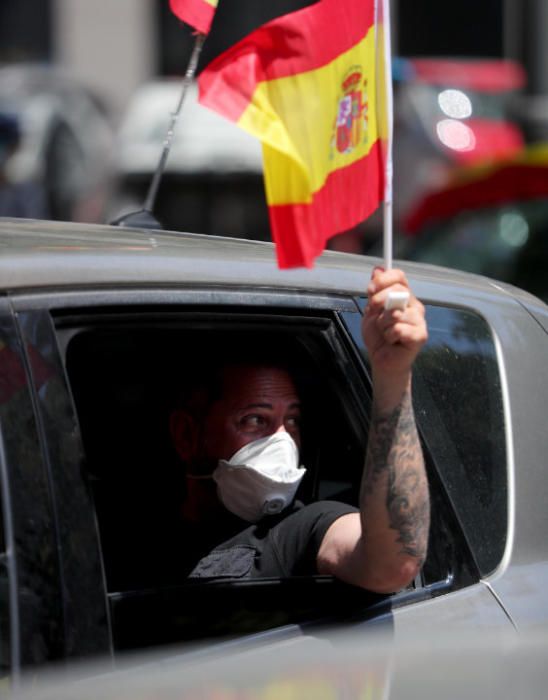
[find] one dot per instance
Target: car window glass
(4, 600)
(458, 401)
(11, 380)
(37, 611)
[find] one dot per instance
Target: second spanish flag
(198, 13)
(306, 85)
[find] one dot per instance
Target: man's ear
(184, 434)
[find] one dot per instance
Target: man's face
(256, 402)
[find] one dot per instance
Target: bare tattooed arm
(383, 547)
(394, 502)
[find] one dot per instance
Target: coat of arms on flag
(352, 113)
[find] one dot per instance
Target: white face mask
(261, 478)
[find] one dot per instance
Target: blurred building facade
(115, 46)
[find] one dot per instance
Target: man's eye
(294, 422)
(253, 421)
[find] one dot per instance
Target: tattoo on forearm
(394, 453)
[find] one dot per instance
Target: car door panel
(468, 609)
(70, 310)
(84, 608)
(35, 587)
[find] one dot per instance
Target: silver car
(66, 140)
(97, 327)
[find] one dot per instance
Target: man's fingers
(405, 334)
(403, 325)
(377, 301)
(382, 279)
(413, 314)
(393, 336)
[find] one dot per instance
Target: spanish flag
(198, 13)
(305, 84)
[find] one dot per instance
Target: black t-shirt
(278, 546)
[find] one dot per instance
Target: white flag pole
(395, 300)
(388, 163)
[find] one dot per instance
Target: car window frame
(62, 303)
(71, 304)
(84, 609)
(7, 555)
(38, 634)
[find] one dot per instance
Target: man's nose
(294, 436)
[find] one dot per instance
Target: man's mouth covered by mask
(261, 478)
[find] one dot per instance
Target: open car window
(126, 370)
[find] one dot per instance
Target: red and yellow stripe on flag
(305, 85)
(197, 13)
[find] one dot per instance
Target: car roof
(49, 254)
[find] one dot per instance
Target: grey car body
(97, 323)
(345, 665)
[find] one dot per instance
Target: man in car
(240, 444)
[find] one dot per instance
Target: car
(98, 327)
(213, 179)
(66, 143)
(491, 220)
(451, 111)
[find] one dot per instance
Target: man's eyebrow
(295, 404)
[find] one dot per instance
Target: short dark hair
(203, 383)
(207, 383)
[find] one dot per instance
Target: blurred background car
(66, 139)
(213, 181)
(19, 199)
(451, 112)
(448, 113)
(490, 220)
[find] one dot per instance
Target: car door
(114, 357)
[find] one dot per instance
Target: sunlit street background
(86, 91)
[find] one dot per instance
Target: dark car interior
(126, 376)
(127, 371)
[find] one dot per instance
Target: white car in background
(213, 181)
(66, 140)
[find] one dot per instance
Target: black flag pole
(144, 218)
(189, 75)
